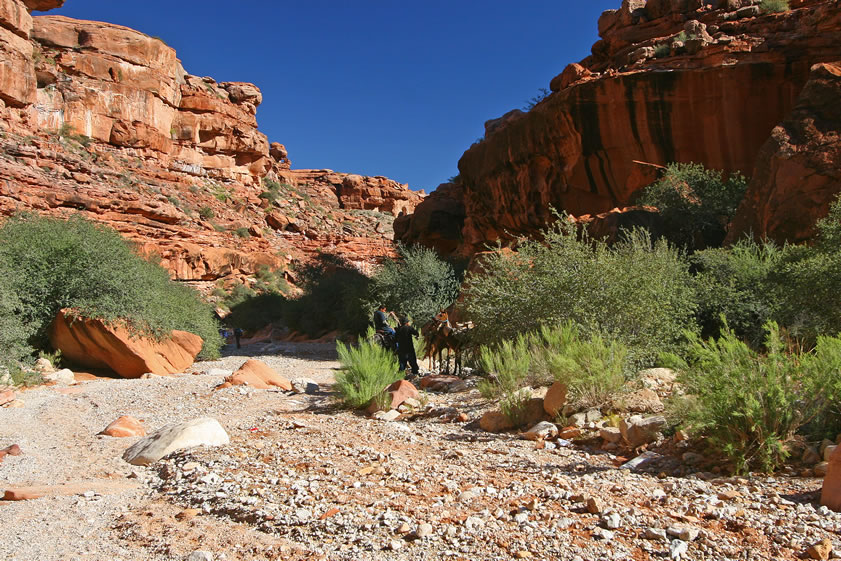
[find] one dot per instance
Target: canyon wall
(103, 120)
(669, 81)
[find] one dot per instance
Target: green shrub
(750, 405)
(366, 370)
(774, 6)
(242, 233)
(508, 365)
(52, 264)
(637, 291)
(735, 284)
(593, 370)
(418, 284)
(272, 192)
(662, 50)
(206, 213)
(695, 203)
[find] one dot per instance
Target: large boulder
(497, 421)
(831, 493)
(92, 343)
(258, 374)
(198, 432)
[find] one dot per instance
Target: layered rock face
(670, 80)
(798, 173)
(103, 120)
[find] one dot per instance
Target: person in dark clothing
(406, 346)
(237, 336)
(381, 320)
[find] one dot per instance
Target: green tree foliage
(695, 203)
(774, 6)
(418, 284)
(734, 284)
(366, 370)
(637, 291)
(49, 264)
(751, 405)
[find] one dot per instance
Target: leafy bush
(637, 291)
(242, 233)
(366, 370)
(542, 94)
(735, 284)
(50, 264)
(806, 280)
(662, 50)
(418, 284)
(695, 203)
(774, 6)
(750, 406)
(206, 213)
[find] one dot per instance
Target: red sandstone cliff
(103, 120)
(669, 80)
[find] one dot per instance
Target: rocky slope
(102, 120)
(669, 80)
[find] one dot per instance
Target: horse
(441, 334)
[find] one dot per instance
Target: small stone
(820, 550)
(395, 545)
(655, 534)
(388, 416)
(187, 514)
(612, 521)
(595, 505)
(685, 533)
(424, 530)
(729, 495)
(821, 469)
(522, 554)
(304, 385)
(63, 377)
(200, 556)
(541, 431)
(610, 434)
(677, 549)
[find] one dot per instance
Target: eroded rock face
(668, 81)
(102, 120)
(91, 343)
(798, 173)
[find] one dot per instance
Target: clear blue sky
(378, 87)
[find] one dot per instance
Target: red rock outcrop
(93, 344)
(258, 374)
(668, 81)
(102, 120)
(798, 173)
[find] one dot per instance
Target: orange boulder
(125, 426)
(831, 494)
(91, 343)
(258, 374)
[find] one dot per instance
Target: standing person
(237, 336)
(381, 320)
(406, 346)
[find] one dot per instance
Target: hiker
(237, 336)
(406, 347)
(381, 320)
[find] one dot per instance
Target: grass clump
(366, 370)
(749, 405)
(662, 50)
(774, 6)
(49, 264)
(206, 213)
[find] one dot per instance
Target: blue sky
(378, 87)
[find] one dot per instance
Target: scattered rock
(555, 399)
(543, 430)
(610, 434)
(677, 549)
(685, 533)
(641, 401)
(820, 550)
(259, 375)
(305, 385)
(637, 430)
(200, 556)
(63, 377)
(390, 415)
(125, 426)
(199, 432)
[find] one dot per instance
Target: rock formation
(102, 120)
(676, 80)
(94, 344)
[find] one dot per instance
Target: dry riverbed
(302, 479)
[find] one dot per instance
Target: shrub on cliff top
(774, 6)
(50, 264)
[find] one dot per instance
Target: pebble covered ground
(303, 479)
